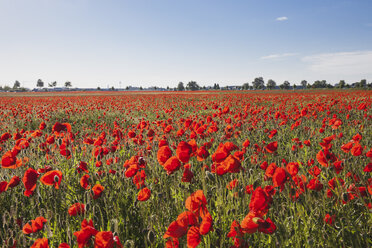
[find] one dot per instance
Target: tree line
(257, 84)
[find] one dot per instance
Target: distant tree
(98, 88)
(180, 87)
(127, 88)
(68, 84)
(245, 86)
(217, 86)
(285, 85)
(271, 84)
(304, 84)
(50, 85)
(319, 84)
(363, 83)
(294, 87)
(258, 83)
(341, 84)
(7, 88)
(167, 87)
(54, 84)
(40, 83)
(192, 85)
(141, 88)
(112, 88)
(16, 85)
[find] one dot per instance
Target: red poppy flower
(172, 243)
(314, 184)
(202, 153)
(279, 177)
(5, 136)
(347, 147)
(104, 239)
(193, 237)
(97, 191)
(164, 153)
(131, 170)
(260, 201)
(83, 166)
(246, 143)
(184, 151)
(175, 230)
(75, 209)
(232, 184)
(253, 222)
(368, 168)
(230, 165)
(272, 147)
(172, 165)
(249, 224)
(63, 245)
(3, 186)
(235, 230)
(36, 225)
(59, 127)
(144, 194)
(357, 149)
(9, 159)
(53, 177)
(324, 157)
(329, 219)
(292, 168)
(206, 223)
(273, 133)
(187, 174)
(196, 202)
(29, 181)
(139, 179)
(87, 231)
(40, 243)
(357, 137)
(84, 181)
(270, 170)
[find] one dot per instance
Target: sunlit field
(183, 169)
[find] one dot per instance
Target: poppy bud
(141, 160)
(151, 236)
(209, 175)
(56, 179)
(129, 243)
(345, 197)
(256, 184)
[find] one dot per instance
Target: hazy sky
(162, 42)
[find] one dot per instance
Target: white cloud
(342, 63)
(282, 18)
(278, 56)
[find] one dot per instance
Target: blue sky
(162, 42)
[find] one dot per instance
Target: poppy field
(182, 169)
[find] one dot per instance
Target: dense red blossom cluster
(187, 137)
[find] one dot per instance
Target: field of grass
(206, 169)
